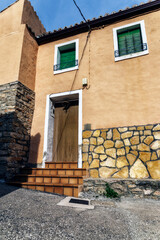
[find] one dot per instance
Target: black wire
(81, 14)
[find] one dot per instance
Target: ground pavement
(27, 214)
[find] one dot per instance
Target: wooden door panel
(65, 143)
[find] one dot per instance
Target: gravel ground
(27, 214)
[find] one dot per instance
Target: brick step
(49, 179)
(65, 165)
(63, 189)
(52, 171)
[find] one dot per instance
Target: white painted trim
(45, 145)
(76, 41)
(65, 70)
(46, 135)
(144, 40)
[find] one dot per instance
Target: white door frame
(49, 126)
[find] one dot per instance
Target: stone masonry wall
(16, 112)
(137, 188)
(125, 152)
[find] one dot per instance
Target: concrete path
(27, 214)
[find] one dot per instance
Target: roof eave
(81, 28)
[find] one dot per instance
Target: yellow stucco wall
(123, 93)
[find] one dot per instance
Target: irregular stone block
(157, 193)
(122, 162)
(147, 192)
(85, 148)
(155, 145)
(158, 153)
(136, 133)
(156, 135)
(154, 169)
(100, 141)
(108, 144)
(138, 170)
(95, 164)
(84, 157)
(140, 128)
(85, 141)
(110, 162)
(99, 149)
(95, 155)
(105, 172)
(154, 156)
(111, 152)
(157, 128)
(121, 152)
(94, 173)
(143, 147)
(134, 147)
(122, 129)
(127, 142)
(149, 127)
(85, 165)
(91, 148)
(145, 156)
(134, 152)
(123, 173)
(134, 140)
(148, 140)
(127, 149)
(104, 135)
(109, 134)
(132, 128)
(103, 157)
(131, 158)
(87, 134)
(93, 141)
(147, 132)
(119, 144)
(127, 135)
(96, 133)
(116, 134)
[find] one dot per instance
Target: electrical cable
(87, 39)
(81, 14)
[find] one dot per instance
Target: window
(66, 57)
(130, 41)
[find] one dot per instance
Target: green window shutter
(130, 42)
(67, 59)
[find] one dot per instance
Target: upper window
(66, 57)
(130, 41)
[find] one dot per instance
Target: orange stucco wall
(11, 38)
(18, 49)
(27, 70)
(123, 93)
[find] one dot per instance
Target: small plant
(110, 193)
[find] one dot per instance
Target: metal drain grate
(76, 203)
(79, 201)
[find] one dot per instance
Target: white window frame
(57, 55)
(144, 41)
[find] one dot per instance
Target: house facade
(87, 94)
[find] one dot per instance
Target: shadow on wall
(34, 147)
(14, 144)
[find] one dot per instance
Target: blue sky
(60, 13)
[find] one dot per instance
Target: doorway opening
(63, 128)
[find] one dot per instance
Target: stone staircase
(61, 178)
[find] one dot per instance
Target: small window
(66, 57)
(130, 41)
